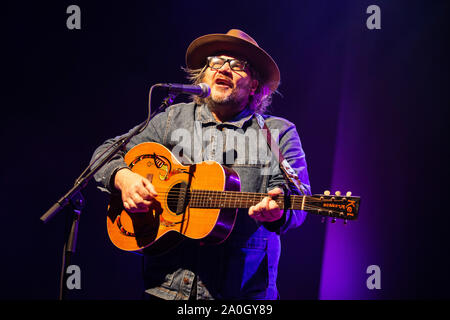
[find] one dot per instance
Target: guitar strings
(218, 195)
(226, 193)
(213, 201)
(174, 200)
(241, 203)
(247, 205)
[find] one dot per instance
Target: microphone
(202, 90)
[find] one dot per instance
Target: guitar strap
(289, 174)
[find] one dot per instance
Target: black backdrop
(371, 107)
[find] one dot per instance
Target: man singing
(225, 127)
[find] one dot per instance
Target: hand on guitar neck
(137, 192)
(267, 210)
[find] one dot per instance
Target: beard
(237, 99)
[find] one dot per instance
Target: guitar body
(171, 219)
(198, 201)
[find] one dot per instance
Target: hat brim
(211, 44)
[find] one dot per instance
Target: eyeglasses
(235, 64)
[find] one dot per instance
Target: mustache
(224, 81)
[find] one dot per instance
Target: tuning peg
(345, 221)
(338, 193)
(348, 194)
(327, 192)
(323, 220)
(334, 220)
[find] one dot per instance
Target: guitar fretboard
(234, 199)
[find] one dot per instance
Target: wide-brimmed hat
(241, 45)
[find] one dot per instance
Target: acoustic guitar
(198, 201)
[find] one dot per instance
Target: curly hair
(259, 102)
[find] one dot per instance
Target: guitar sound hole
(178, 198)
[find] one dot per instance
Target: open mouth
(224, 82)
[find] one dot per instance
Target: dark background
(371, 107)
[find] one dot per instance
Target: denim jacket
(245, 265)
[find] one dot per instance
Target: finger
(146, 190)
(259, 210)
(275, 191)
(261, 206)
(275, 211)
(253, 212)
(143, 192)
(266, 203)
(144, 203)
(136, 202)
(141, 202)
(273, 205)
(137, 198)
(129, 205)
(149, 187)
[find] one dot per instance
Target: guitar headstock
(335, 206)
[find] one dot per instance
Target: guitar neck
(340, 207)
(238, 200)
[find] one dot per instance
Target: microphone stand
(76, 199)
